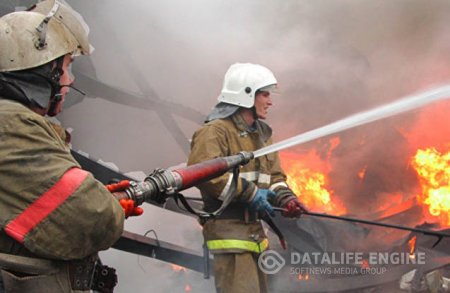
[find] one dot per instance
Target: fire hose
(162, 183)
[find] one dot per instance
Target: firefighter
(236, 237)
(54, 216)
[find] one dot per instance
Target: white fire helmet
(241, 82)
(32, 38)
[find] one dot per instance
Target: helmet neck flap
(37, 86)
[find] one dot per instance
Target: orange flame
(334, 142)
(365, 264)
(177, 268)
(433, 169)
(303, 277)
(307, 177)
(412, 246)
(362, 172)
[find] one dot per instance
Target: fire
(177, 268)
(304, 277)
(307, 177)
(433, 169)
(334, 142)
(187, 288)
(365, 264)
(412, 246)
(362, 172)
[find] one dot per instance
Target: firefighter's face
(66, 79)
(262, 103)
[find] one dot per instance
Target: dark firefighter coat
(49, 207)
(232, 232)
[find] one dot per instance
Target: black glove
(287, 200)
(294, 208)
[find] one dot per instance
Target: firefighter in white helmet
(54, 216)
(236, 237)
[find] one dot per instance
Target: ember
(362, 172)
(412, 247)
(178, 268)
(304, 277)
(365, 264)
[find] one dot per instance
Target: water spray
(403, 105)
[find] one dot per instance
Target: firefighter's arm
(59, 211)
(209, 143)
(80, 219)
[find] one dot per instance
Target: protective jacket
(236, 230)
(49, 207)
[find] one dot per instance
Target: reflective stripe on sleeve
(278, 184)
(227, 187)
(19, 227)
(255, 176)
(264, 178)
(249, 176)
(238, 244)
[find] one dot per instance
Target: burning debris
(412, 247)
(433, 169)
(308, 177)
(177, 268)
(181, 277)
(395, 171)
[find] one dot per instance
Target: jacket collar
(264, 130)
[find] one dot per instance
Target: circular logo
(270, 262)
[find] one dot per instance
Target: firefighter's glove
(260, 202)
(293, 208)
(129, 209)
(118, 186)
(127, 204)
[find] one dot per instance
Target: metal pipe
(373, 223)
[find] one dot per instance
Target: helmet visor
(272, 89)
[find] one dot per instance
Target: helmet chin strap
(255, 115)
(56, 95)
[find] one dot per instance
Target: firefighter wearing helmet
(54, 216)
(236, 237)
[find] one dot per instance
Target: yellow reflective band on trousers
(238, 244)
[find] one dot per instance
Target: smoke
(331, 58)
